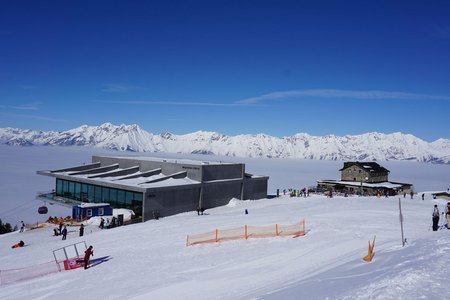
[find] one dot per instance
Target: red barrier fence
(246, 232)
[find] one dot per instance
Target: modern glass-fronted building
(154, 187)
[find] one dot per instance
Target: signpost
(401, 220)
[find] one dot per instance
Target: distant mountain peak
(368, 146)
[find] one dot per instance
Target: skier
(87, 255)
(435, 217)
(81, 230)
(423, 197)
(22, 227)
(64, 233)
(447, 215)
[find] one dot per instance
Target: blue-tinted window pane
(113, 196)
(91, 193)
(59, 187)
(77, 190)
(105, 194)
(129, 198)
(65, 187)
(120, 197)
(71, 188)
(138, 197)
(98, 194)
(84, 193)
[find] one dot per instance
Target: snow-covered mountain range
(365, 147)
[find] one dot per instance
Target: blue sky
(235, 67)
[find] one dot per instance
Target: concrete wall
(171, 201)
(218, 194)
(225, 171)
(255, 188)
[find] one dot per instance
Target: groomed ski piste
(151, 261)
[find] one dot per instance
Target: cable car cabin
(42, 210)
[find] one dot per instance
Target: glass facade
(97, 194)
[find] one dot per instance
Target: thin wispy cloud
(119, 88)
(283, 95)
(27, 106)
(348, 94)
(31, 106)
(176, 103)
(33, 117)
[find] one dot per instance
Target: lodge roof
(369, 166)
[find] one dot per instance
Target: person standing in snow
(22, 227)
(87, 255)
(102, 223)
(64, 233)
(435, 217)
(447, 215)
(81, 230)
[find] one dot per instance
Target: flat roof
(386, 184)
(170, 160)
(153, 181)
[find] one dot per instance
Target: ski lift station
(153, 187)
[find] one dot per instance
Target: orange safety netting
(245, 232)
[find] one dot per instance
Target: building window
(89, 212)
(100, 211)
(98, 194)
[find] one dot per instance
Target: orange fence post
(187, 240)
(276, 229)
(217, 235)
(246, 232)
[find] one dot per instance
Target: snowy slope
(150, 260)
(369, 146)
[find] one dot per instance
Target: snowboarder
(22, 227)
(87, 255)
(60, 227)
(102, 223)
(55, 231)
(64, 233)
(198, 211)
(18, 245)
(246, 211)
(81, 230)
(412, 194)
(435, 217)
(423, 197)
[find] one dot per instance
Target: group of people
(62, 230)
(108, 224)
(436, 216)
